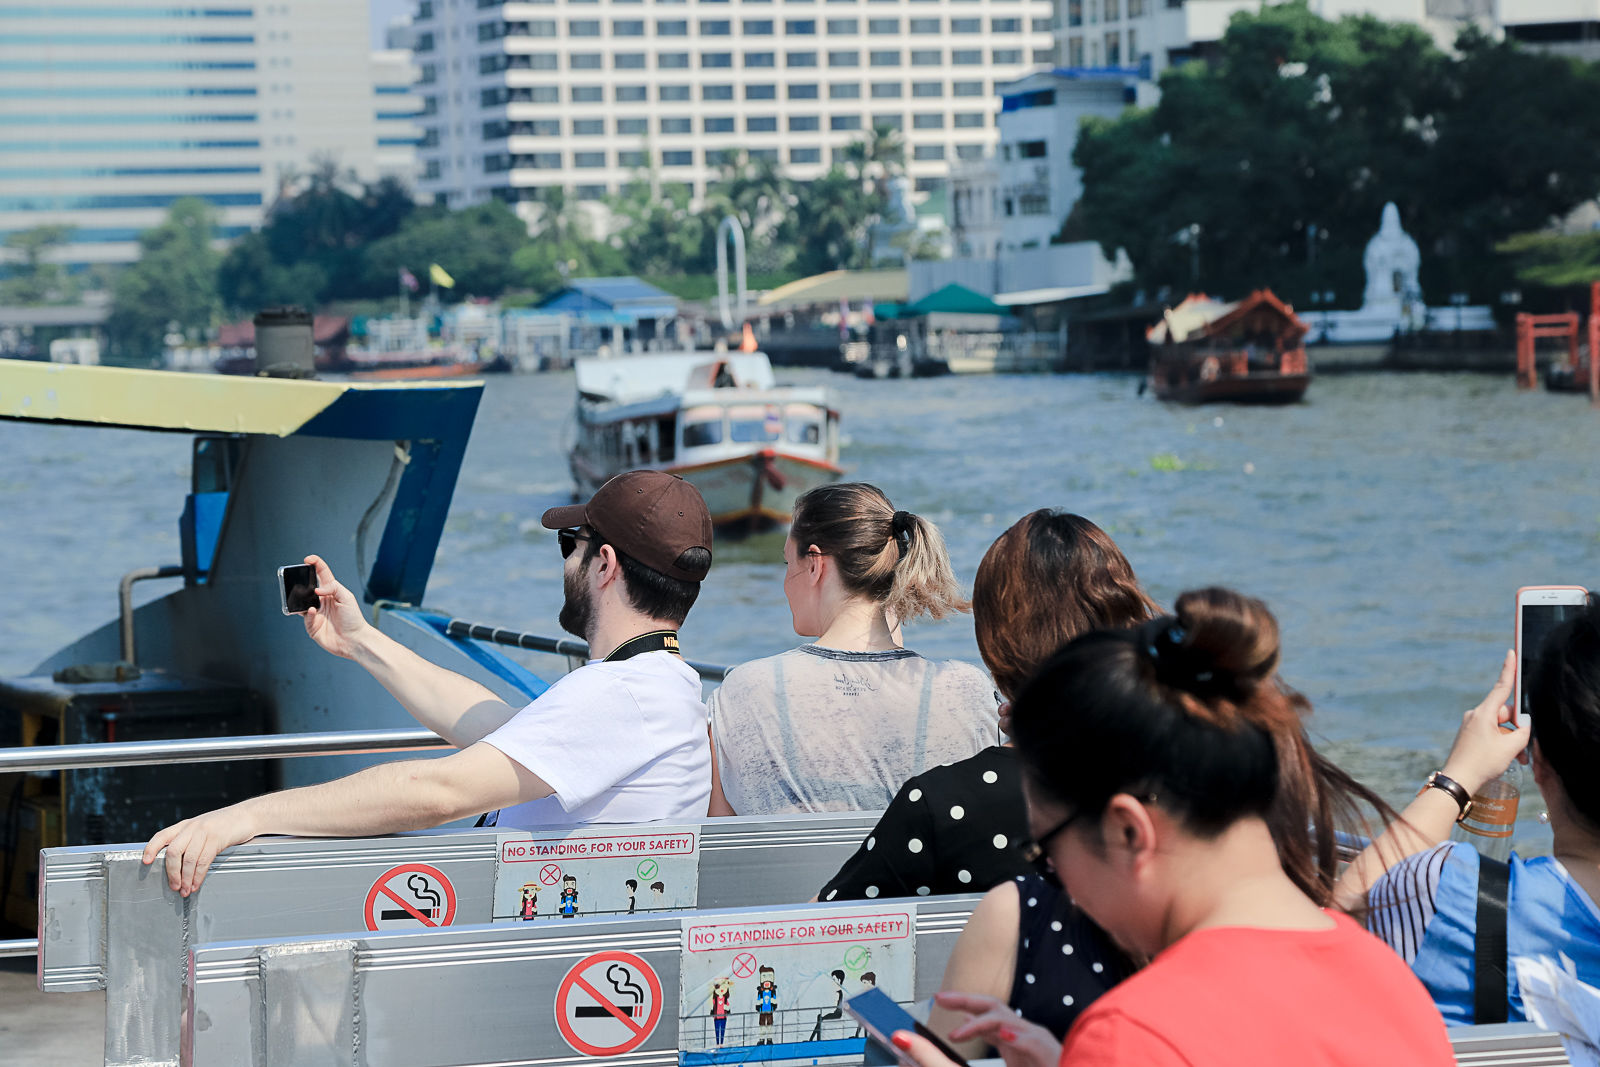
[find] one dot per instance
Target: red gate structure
(1594, 346)
(1532, 327)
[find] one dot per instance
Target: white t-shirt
(619, 742)
(821, 729)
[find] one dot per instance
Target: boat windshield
(702, 426)
(803, 424)
(755, 423)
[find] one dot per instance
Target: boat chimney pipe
(284, 347)
(125, 603)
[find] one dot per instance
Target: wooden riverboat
(719, 420)
(1248, 352)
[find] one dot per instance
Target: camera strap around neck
(655, 641)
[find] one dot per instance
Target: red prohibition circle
(370, 909)
(574, 979)
(744, 965)
(549, 874)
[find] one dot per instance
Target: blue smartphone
(880, 1017)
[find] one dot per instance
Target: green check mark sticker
(857, 958)
(648, 868)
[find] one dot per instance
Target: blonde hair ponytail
(894, 557)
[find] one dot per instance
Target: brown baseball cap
(652, 516)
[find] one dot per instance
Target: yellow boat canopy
(220, 403)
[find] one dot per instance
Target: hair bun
(1181, 665)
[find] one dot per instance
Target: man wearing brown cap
(620, 740)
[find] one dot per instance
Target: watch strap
(1457, 791)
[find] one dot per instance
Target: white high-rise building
(1155, 34)
(111, 109)
(521, 96)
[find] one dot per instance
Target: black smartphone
(880, 1017)
(297, 584)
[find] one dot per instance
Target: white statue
(1391, 262)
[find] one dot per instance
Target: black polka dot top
(951, 829)
(1064, 960)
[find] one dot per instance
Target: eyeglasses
(1036, 851)
(568, 540)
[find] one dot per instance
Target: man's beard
(577, 609)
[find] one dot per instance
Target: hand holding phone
(1540, 609)
(881, 1018)
(297, 586)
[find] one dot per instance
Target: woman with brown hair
(956, 829)
(837, 725)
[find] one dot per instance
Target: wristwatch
(1458, 792)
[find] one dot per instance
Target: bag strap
(1490, 998)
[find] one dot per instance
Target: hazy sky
(382, 12)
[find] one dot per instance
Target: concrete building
(111, 109)
(521, 96)
(1156, 34)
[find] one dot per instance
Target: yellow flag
(440, 276)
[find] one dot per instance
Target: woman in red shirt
(1153, 759)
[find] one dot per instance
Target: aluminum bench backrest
(503, 994)
(107, 921)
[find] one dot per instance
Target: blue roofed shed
(624, 311)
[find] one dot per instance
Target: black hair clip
(900, 528)
(1179, 666)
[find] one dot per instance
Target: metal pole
(216, 749)
(560, 646)
(24, 946)
(125, 602)
(730, 225)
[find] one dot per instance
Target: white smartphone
(1540, 609)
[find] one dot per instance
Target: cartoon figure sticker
(596, 871)
(608, 1004)
(776, 982)
(410, 896)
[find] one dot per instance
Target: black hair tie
(1179, 666)
(900, 528)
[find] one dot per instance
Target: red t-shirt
(1239, 996)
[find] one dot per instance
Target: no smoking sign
(608, 1003)
(409, 896)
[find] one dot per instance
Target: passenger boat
(1248, 352)
(720, 421)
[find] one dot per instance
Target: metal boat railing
(278, 746)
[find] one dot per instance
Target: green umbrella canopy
(956, 300)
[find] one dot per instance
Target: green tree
(173, 286)
(37, 279)
(1280, 153)
(476, 245)
(562, 247)
(829, 223)
(657, 233)
(313, 243)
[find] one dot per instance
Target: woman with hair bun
(1153, 759)
(837, 725)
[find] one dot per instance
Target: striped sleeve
(1401, 904)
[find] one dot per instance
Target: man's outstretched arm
(408, 795)
(453, 706)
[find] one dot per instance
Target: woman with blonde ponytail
(837, 725)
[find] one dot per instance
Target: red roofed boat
(1248, 352)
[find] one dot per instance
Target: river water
(1387, 521)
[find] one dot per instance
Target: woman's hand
(1491, 735)
(1021, 1043)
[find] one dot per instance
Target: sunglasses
(568, 540)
